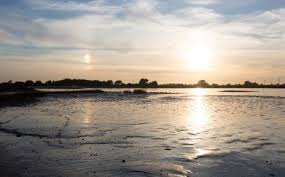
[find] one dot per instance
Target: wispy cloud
(138, 24)
(203, 2)
(98, 6)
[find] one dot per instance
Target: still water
(191, 132)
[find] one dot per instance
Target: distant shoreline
(159, 87)
(28, 97)
(19, 98)
(18, 93)
(238, 91)
(143, 83)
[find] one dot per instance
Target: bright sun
(198, 58)
(197, 54)
(86, 58)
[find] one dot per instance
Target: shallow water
(194, 132)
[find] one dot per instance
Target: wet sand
(29, 97)
(117, 134)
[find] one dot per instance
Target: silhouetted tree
(48, 83)
(249, 84)
(215, 85)
(38, 83)
(143, 82)
(118, 83)
(109, 83)
(29, 83)
(202, 83)
(153, 84)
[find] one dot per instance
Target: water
(192, 132)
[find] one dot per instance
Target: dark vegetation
(138, 91)
(205, 84)
(233, 91)
(74, 91)
(17, 86)
(19, 99)
(77, 83)
(143, 83)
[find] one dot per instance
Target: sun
(86, 59)
(197, 51)
(198, 58)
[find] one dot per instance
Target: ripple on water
(156, 169)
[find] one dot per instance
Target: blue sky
(130, 39)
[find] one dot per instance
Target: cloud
(7, 38)
(197, 16)
(261, 30)
(138, 26)
(98, 6)
(203, 2)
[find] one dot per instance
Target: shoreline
(27, 97)
(20, 98)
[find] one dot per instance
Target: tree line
(75, 83)
(142, 83)
(205, 84)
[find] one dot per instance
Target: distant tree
(249, 84)
(38, 83)
(118, 83)
(18, 85)
(153, 84)
(48, 83)
(215, 85)
(143, 82)
(202, 83)
(109, 83)
(29, 83)
(129, 85)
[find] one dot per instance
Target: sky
(171, 41)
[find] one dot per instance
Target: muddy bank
(19, 98)
(24, 98)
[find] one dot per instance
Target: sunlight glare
(87, 112)
(199, 58)
(86, 58)
(198, 117)
(198, 91)
(198, 53)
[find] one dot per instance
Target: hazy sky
(165, 40)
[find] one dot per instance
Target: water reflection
(88, 112)
(198, 153)
(198, 92)
(198, 117)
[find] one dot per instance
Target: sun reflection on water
(88, 112)
(198, 92)
(198, 117)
